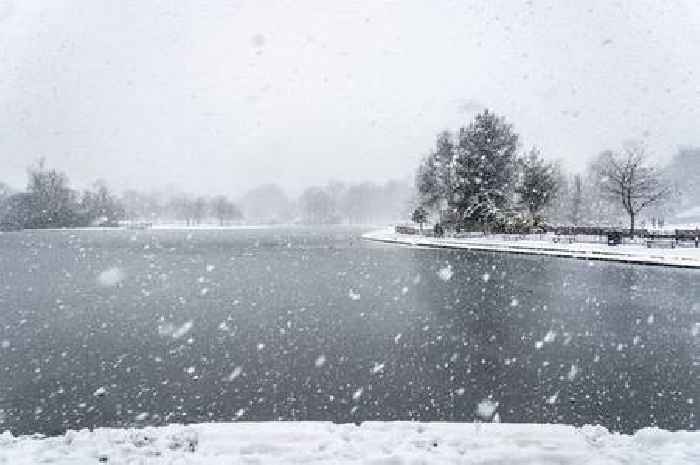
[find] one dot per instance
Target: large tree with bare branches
(628, 178)
(225, 210)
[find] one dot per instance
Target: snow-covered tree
(419, 216)
(537, 183)
(435, 180)
(444, 155)
(427, 183)
(484, 167)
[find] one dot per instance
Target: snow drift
(377, 443)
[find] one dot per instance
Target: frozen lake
(110, 328)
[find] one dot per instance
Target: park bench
(564, 234)
(139, 225)
(563, 238)
(590, 234)
(591, 239)
(406, 230)
(688, 237)
(661, 243)
(468, 234)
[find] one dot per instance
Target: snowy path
(679, 257)
(371, 443)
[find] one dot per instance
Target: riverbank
(627, 253)
(393, 443)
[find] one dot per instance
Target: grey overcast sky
(222, 95)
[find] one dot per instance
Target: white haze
(219, 96)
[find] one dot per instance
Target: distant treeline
(364, 203)
(333, 203)
(50, 202)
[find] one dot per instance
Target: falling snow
(111, 277)
(486, 409)
(445, 273)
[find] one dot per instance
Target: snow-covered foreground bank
(681, 257)
(371, 443)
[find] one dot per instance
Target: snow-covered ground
(630, 253)
(373, 443)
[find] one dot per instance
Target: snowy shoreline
(637, 254)
(380, 443)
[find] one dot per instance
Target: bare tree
(224, 209)
(100, 207)
(53, 202)
(188, 208)
(199, 209)
(629, 179)
(317, 206)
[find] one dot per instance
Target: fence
(595, 234)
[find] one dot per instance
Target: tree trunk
(631, 225)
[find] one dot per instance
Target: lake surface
(110, 328)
